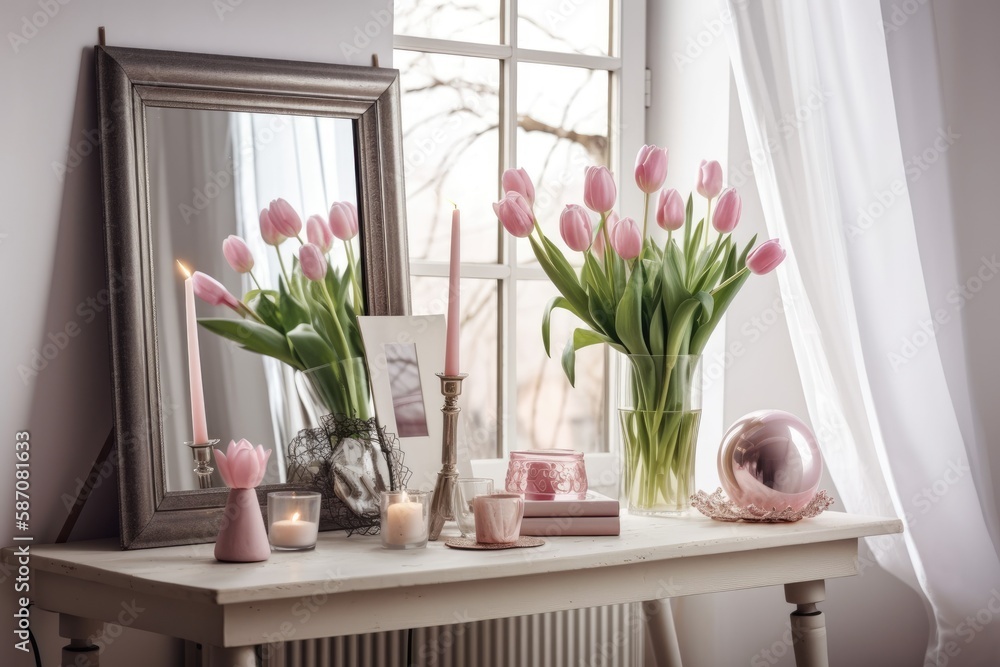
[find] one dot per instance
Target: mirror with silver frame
(193, 147)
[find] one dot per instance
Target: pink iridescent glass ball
(770, 459)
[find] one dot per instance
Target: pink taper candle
(199, 425)
(451, 365)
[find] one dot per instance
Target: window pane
(479, 354)
(466, 21)
(451, 149)
(558, 25)
(550, 412)
(562, 129)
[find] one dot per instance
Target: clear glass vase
(340, 388)
(660, 412)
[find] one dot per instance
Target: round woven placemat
(523, 542)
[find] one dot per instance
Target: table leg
(232, 656)
(662, 633)
(808, 623)
(81, 651)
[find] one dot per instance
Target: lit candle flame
(185, 270)
(404, 498)
(295, 517)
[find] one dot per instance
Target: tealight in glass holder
(293, 520)
(405, 519)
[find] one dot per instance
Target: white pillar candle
(293, 533)
(405, 523)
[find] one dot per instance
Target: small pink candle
(451, 365)
(199, 425)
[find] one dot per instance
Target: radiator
(597, 637)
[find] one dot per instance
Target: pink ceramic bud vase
(242, 536)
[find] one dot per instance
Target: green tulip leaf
(255, 337)
(628, 318)
(581, 338)
(722, 296)
(746, 251)
(562, 276)
(555, 302)
(310, 347)
(263, 305)
(657, 331)
(293, 313)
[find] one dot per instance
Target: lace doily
(717, 506)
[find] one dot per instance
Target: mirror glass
(210, 174)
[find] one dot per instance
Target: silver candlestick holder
(441, 504)
(202, 454)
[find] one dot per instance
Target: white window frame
(627, 123)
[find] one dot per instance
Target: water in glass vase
(660, 412)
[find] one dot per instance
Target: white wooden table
(351, 585)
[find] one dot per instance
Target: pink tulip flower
(284, 217)
(670, 210)
(313, 262)
(242, 466)
(318, 233)
(515, 214)
(727, 211)
(651, 168)
(626, 238)
(268, 231)
(210, 290)
(709, 179)
(765, 257)
(344, 220)
(599, 190)
(236, 252)
(517, 180)
(575, 227)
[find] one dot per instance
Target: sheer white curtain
(815, 91)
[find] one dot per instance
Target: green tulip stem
(607, 243)
(249, 311)
(284, 271)
(708, 221)
(345, 349)
(254, 279)
(736, 276)
(359, 302)
(645, 215)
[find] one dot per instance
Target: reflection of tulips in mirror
(310, 321)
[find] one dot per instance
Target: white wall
(696, 114)
(968, 52)
(51, 246)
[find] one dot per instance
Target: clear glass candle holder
(405, 519)
(466, 490)
(293, 520)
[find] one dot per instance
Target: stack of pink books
(597, 514)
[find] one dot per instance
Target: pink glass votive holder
(547, 474)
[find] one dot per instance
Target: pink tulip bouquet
(309, 322)
(657, 304)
